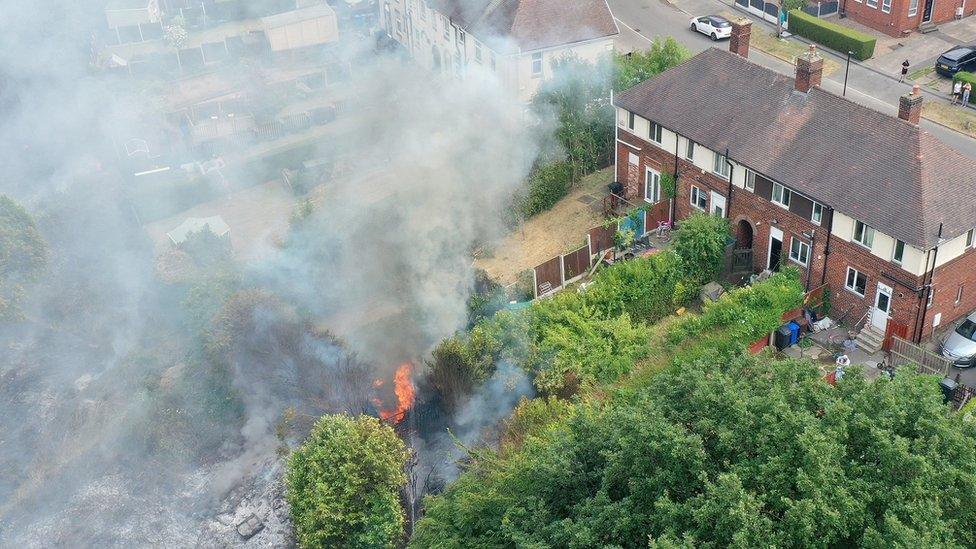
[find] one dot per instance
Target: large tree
(344, 483)
(23, 254)
(727, 452)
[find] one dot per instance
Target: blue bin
(794, 332)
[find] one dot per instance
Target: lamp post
(846, 72)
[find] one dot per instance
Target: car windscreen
(956, 54)
(967, 329)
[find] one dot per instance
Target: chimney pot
(739, 39)
(809, 70)
(910, 106)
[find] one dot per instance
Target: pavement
(870, 84)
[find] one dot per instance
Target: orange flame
(405, 392)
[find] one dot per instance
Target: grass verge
(954, 116)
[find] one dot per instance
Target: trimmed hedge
(963, 76)
(832, 35)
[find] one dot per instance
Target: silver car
(960, 346)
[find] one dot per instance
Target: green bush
(647, 289)
(832, 35)
(700, 242)
(963, 76)
(547, 186)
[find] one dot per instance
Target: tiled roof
(531, 24)
(872, 166)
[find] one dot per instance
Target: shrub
(832, 35)
(700, 241)
(344, 482)
(547, 186)
(647, 289)
(963, 76)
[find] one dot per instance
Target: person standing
(956, 91)
(904, 70)
(966, 89)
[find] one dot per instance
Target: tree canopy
(726, 452)
(343, 484)
(23, 254)
(700, 241)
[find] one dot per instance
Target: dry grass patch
(954, 116)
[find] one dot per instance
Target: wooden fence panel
(548, 276)
(926, 362)
(576, 263)
(656, 213)
(601, 239)
(894, 329)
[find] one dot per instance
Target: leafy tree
(23, 255)
(726, 451)
(343, 484)
(700, 241)
(638, 66)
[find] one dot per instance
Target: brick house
(867, 203)
(515, 39)
(899, 17)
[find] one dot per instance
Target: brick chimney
(910, 105)
(809, 70)
(739, 40)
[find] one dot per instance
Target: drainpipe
(674, 199)
(813, 246)
(728, 200)
(926, 292)
(830, 229)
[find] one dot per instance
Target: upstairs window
(817, 215)
(690, 150)
(899, 254)
(631, 121)
(477, 52)
(781, 195)
(863, 234)
(969, 237)
(720, 166)
(750, 181)
(537, 69)
(654, 132)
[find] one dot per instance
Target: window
(817, 215)
(799, 251)
(873, 4)
(899, 253)
(931, 298)
(652, 186)
(969, 237)
(477, 52)
(654, 132)
(959, 295)
(781, 195)
(690, 150)
(886, 6)
(913, 8)
(720, 166)
(631, 120)
(698, 198)
(447, 28)
(537, 71)
(750, 183)
(460, 38)
(863, 234)
(857, 281)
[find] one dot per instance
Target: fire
(405, 393)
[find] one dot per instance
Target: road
(641, 20)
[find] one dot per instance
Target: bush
(963, 76)
(547, 186)
(700, 242)
(344, 483)
(832, 35)
(647, 289)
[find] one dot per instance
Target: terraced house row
(864, 201)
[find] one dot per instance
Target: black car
(960, 58)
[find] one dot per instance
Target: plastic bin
(782, 337)
(794, 332)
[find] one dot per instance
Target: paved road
(641, 20)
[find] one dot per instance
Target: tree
(23, 255)
(343, 484)
(785, 7)
(638, 66)
(700, 241)
(726, 451)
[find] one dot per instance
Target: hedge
(832, 35)
(963, 76)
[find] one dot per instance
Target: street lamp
(847, 71)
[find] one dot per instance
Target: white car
(714, 26)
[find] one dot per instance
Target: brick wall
(961, 271)
(897, 21)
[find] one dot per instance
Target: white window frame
(652, 186)
(867, 235)
(959, 294)
(894, 252)
(537, 70)
(655, 132)
(689, 150)
(698, 198)
(749, 183)
(928, 302)
(785, 195)
(719, 166)
(912, 8)
(886, 6)
(853, 288)
(816, 217)
(970, 240)
(631, 121)
(872, 4)
(802, 256)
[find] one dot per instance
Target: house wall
(899, 21)
(528, 84)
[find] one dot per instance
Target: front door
(775, 248)
(927, 12)
(718, 204)
(882, 307)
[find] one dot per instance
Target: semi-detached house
(516, 39)
(870, 204)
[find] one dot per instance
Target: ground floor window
(857, 281)
(698, 198)
(799, 251)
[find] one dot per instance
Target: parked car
(714, 26)
(960, 345)
(960, 58)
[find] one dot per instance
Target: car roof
(957, 52)
(717, 18)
